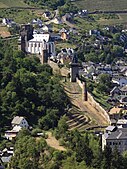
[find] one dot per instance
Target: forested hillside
(29, 89)
(83, 152)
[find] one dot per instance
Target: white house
(45, 28)
(4, 21)
(37, 22)
(17, 123)
(56, 20)
(46, 14)
(122, 123)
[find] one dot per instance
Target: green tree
(107, 158)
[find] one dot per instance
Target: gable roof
(120, 133)
(6, 159)
(17, 120)
(40, 37)
(116, 88)
(124, 88)
(115, 110)
(110, 128)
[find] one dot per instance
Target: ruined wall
(93, 103)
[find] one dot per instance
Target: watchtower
(74, 68)
(26, 34)
(44, 57)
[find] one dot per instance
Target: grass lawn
(85, 23)
(18, 15)
(92, 5)
(12, 3)
(99, 19)
(122, 19)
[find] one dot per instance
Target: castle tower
(74, 70)
(26, 34)
(22, 42)
(84, 92)
(44, 57)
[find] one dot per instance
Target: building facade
(39, 43)
(116, 137)
(35, 43)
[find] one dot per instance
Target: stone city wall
(95, 104)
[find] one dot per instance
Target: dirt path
(52, 142)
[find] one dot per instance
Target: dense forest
(83, 152)
(29, 89)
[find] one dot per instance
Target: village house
(46, 14)
(94, 32)
(19, 121)
(114, 113)
(115, 137)
(123, 71)
(120, 80)
(57, 20)
(8, 22)
(122, 123)
(17, 124)
(65, 55)
(46, 28)
(37, 22)
(118, 96)
(83, 13)
(6, 155)
(63, 33)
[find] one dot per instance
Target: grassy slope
(92, 5)
(12, 3)
(106, 5)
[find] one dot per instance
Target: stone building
(40, 44)
(74, 68)
(115, 137)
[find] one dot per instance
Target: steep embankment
(82, 114)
